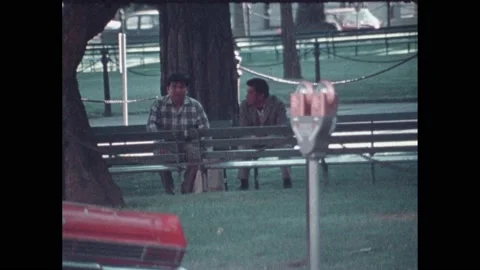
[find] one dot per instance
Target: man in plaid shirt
(177, 111)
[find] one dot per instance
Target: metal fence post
(106, 83)
(316, 52)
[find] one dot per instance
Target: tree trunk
(238, 20)
(310, 14)
(85, 173)
(164, 27)
(266, 14)
(311, 18)
(201, 45)
(291, 63)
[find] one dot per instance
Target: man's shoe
(287, 183)
(243, 184)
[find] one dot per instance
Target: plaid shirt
(163, 115)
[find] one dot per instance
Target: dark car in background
(140, 27)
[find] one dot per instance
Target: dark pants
(192, 155)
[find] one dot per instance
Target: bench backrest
(143, 128)
(354, 134)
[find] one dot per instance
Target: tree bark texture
(238, 20)
(85, 173)
(266, 13)
(291, 63)
(197, 40)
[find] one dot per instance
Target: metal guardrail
(394, 29)
(305, 43)
(330, 36)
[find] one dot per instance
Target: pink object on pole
(307, 101)
(324, 101)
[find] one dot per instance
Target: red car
(111, 238)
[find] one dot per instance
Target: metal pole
(122, 49)
(106, 84)
(248, 18)
(313, 213)
(123, 70)
(249, 10)
(389, 13)
(316, 52)
(238, 60)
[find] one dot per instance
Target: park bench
(358, 139)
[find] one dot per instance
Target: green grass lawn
(144, 81)
(363, 226)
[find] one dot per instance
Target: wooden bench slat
(373, 138)
(137, 137)
(253, 154)
(302, 162)
(376, 126)
(377, 117)
(287, 153)
(143, 128)
(270, 142)
(345, 123)
(139, 148)
(330, 160)
(156, 159)
(247, 131)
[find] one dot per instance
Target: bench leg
(255, 177)
(179, 180)
(225, 180)
(325, 172)
(372, 168)
(204, 179)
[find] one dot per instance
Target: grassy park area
(399, 83)
(363, 226)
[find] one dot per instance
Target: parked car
(363, 19)
(333, 20)
(140, 27)
(113, 26)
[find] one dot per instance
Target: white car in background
(112, 25)
(363, 19)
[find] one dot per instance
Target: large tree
(291, 63)
(86, 178)
(194, 42)
(200, 44)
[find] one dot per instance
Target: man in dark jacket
(262, 109)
